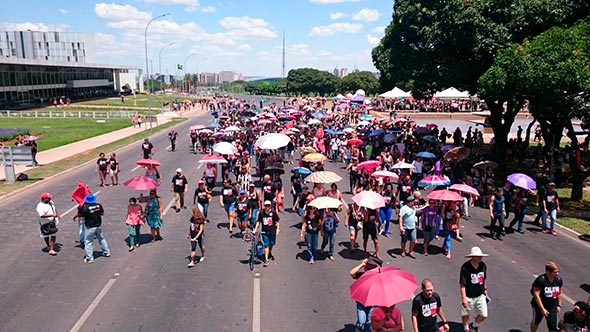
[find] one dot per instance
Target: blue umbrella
(366, 117)
(330, 131)
(302, 170)
(319, 115)
(339, 132)
(430, 138)
(212, 124)
(377, 133)
(389, 138)
(425, 154)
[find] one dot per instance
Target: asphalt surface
(151, 289)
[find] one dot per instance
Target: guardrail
(11, 156)
(64, 114)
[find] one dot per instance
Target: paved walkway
(56, 154)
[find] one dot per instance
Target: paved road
(151, 289)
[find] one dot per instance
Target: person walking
(134, 220)
(407, 226)
(328, 229)
(386, 211)
(550, 209)
(227, 201)
(153, 215)
(353, 220)
(48, 220)
(242, 209)
(497, 214)
(429, 221)
(268, 222)
(474, 290)
(311, 223)
(172, 136)
(179, 187)
(363, 313)
(370, 222)
(114, 169)
(201, 197)
(92, 213)
(547, 298)
(197, 236)
(147, 148)
(425, 307)
(101, 168)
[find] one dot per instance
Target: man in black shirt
(147, 148)
(179, 186)
(405, 188)
(473, 286)
(172, 136)
(92, 213)
(550, 203)
(547, 299)
(269, 189)
(425, 307)
(268, 222)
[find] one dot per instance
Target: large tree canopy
(359, 80)
(305, 81)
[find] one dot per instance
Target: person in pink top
(134, 221)
(386, 319)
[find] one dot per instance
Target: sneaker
(545, 231)
(106, 254)
(425, 252)
(89, 261)
(201, 259)
(473, 328)
(331, 258)
(271, 256)
(520, 231)
(311, 260)
(52, 252)
(554, 233)
(265, 264)
(131, 249)
(191, 264)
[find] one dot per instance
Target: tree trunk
(577, 175)
(528, 134)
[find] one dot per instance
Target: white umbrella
(402, 165)
(313, 122)
(273, 141)
(225, 148)
(325, 202)
(231, 129)
(364, 123)
(294, 129)
(323, 177)
(348, 130)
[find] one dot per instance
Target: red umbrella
(369, 164)
(147, 162)
(141, 183)
(213, 159)
(354, 141)
(464, 188)
(383, 286)
(444, 195)
(80, 192)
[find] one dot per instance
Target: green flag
(179, 66)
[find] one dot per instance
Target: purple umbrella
(447, 148)
(522, 180)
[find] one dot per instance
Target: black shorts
(551, 319)
(369, 229)
(200, 241)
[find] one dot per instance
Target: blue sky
(239, 35)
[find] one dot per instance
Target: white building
(49, 46)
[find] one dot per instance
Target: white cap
(179, 170)
(267, 203)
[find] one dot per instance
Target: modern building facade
(48, 45)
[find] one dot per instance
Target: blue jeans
(312, 242)
(254, 218)
(90, 234)
(448, 234)
(499, 217)
(437, 227)
(363, 317)
(385, 213)
(81, 230)
(203, 207)
(552, 214)
(331, 237)
(134, 234)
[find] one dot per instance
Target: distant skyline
(243, 36)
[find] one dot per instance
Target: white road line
(76, 206)
(94, 304)
(256, 304)
(135, 168)
(168, 207)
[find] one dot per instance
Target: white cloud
(379, 29)
(323, 53)
(373, 40)
(245, 47)
(263, 54)
(332, 29)
(324, 2)
(337, 15)
(108, 45)
(191, 5)
(33, 26)
(63, 11)
(366, 15)
(115, 12)
(299, 49)
(208, 9)
(246, 27)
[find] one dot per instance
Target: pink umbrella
(369, 199)
(213, 160)
(141, 183)
(218, 134)
(431, 126)
(464, 189)
(383, 286)
(147, 162)
(197, 127)
(444, 195)
(205, 131)
(369, 165)
(386, 174)
(434, 180)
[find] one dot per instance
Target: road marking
(76, 206)
(134, 169)
(168, 207)
(256, 304)
(94, 304)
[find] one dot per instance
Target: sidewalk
(50, 156)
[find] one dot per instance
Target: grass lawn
(575, 215)
(58, 132)
(139, 101)
(40, 173)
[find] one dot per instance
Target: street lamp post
(198, 79)
(147, 69)
(160, 57)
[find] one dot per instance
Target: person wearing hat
(407, 226)
(268, 222)
(550, 203)
(92, 213)
(201, 197)
(48, 219)
(179, 186)
(242, 211)
(474, 289)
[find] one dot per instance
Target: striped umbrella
(434, 180)
(314, 157)
(323, 177)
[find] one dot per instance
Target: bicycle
(256, 247)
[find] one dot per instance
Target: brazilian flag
(179, 66)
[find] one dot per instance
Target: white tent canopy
(395, 93)
(452, 93)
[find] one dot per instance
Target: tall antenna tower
(283, 68)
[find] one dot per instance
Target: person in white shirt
(48, 220)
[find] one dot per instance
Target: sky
(239, 35)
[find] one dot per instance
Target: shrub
(6, 134)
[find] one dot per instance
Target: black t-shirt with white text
(269, 222)
(405, 190)
(92, 214)
(473, 279)
(426, 310)
(269, 191)
(229, 195)
(201, 196)
(550, 291)
(102, 163)
(179, 183)
(550, 199)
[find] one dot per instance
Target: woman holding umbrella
(450, 225)
(153, 173)
(153, 215)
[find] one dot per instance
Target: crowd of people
(388, 157)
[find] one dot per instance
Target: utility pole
(283, 69)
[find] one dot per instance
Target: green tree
(306, 81)
(359, 80)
